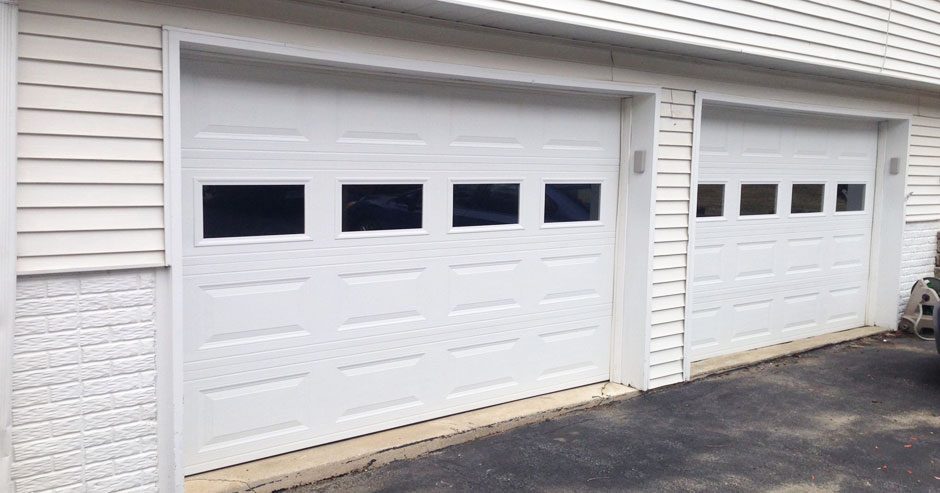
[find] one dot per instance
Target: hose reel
(919, 314)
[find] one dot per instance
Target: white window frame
(598, 223)
(802, 215)
(756, 217)
(865, 202)
(339, 234)
(519, 225)
(199, 240)
(724, 202)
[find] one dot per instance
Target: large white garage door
(783, 228)
(365, 252)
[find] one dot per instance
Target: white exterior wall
(923, 182)
(918, 254)
(90, 146)
(897, 38)
(84, 391)
(923, 201)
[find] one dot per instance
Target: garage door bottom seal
(721, 364)
(336, 459)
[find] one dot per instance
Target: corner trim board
(8, 56)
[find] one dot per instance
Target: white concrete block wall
(84, 383)
(917, 257)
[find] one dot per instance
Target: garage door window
(807, 198)
(252, 210)
(758, 199)
(572, 202)
(485, 204)
(850, 197)
(382, 207)
(711, 200)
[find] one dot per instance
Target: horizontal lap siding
(899, 38)
(923, 181)
(913, 43)
(671, 235)
(90, 143)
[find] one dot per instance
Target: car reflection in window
(486, 204)
(572, 202)
(382, 207)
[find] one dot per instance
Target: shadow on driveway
(863, 415)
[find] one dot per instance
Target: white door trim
(634, 275)
(170, 360)
(8, 33)
(889, 201)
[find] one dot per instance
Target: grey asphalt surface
(859, 416)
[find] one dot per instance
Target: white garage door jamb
(889, 201)
(631, 325)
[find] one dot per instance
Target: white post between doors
(635, 258)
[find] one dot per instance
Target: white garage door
(365, 252)
(783, 228)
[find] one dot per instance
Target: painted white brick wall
(917, 257)
(84, 383)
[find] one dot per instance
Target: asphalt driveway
(863, 415)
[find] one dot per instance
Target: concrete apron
(728, 362)
(360, 453)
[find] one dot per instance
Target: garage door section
(783, 228)
(366, 252)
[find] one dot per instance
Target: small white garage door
(783, 228)
(364, 252)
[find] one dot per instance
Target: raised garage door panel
(765, 279)
(319, 336)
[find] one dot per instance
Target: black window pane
(710, 200)
(382, 207)
(568, 202)
(252, 210)
(483, 204)
(850, 197)
(807, 198)
(758, 199)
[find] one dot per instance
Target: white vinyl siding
(90, 143)
(671, 236)
(897, 38)
(913, 43)
(923, 180)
